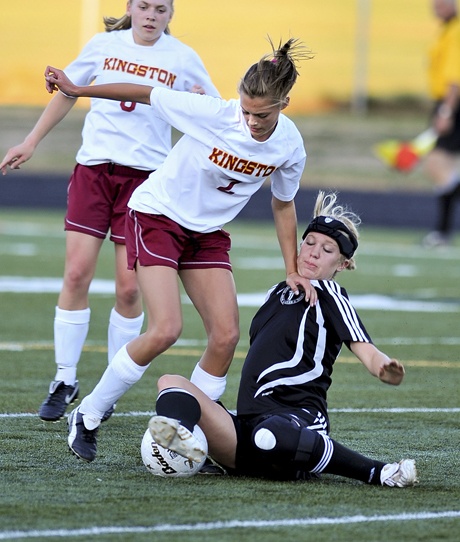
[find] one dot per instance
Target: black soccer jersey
(293, 347)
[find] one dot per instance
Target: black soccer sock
(445, 212)
(446, 204)
(179, 404)
(346, 462)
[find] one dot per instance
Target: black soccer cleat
(108, 413)
(211, 468)
(82, 442)
(60, 397)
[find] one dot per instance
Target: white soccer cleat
(170, 434)
(402, 474)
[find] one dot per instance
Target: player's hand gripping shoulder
(294, 281)
(197, 89)
(121, 92)
(57, 80)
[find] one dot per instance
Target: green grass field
(47, 494)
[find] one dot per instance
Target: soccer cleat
(170, 434)
(400, 474)
(60, 397)
(212, 468)
(82, 442)
(436, 239)
(108, 413)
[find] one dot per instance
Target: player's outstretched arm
(54, 112)
(121, 92)
(390, 371)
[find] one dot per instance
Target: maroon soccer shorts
(158, 240)
(97, 199)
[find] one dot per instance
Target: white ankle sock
(121, 331)
(212, 386)
(117, 379)
(70, 331)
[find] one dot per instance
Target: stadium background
(362, 48)
(377, 45)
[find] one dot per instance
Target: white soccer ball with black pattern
(163, 462)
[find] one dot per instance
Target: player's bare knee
(224, 340)
(77, 280)
(235, 337)
(128, 296)
(162, 337)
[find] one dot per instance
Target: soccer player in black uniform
(281, 429)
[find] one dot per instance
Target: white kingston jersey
(122, 132)
(213, 170)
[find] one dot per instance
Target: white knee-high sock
(117, 379)
(70, 331)
(212, 386)
(121, 331)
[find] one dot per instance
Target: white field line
(394, 410)
(226, 525)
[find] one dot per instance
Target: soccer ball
(163, 462)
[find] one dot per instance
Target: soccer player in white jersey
(176, 219)
(281, 426)
(122, 144)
